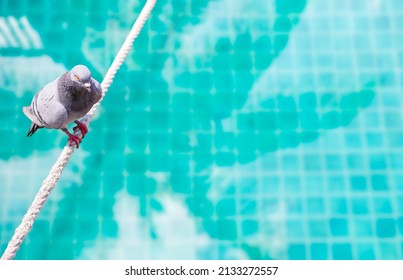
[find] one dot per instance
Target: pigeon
(65, 100)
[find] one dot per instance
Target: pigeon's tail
(34, 127)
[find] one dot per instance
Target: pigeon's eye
(78, 78)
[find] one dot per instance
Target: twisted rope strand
(56, 171)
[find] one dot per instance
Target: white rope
(54, 175)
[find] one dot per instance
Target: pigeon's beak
(87, 86)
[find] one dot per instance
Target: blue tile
(338, 206)
(334, 162)
(296, 252)
(307, 101)
(315, 205)
(389, 250)
(269, 205)
(319, 251)
(249, 227)
(318, 228)
(399, 200)
(396, 162)
(247, 207)
(353, 141)
(392, 119)
(358, 183)
(394, 138)
(383, 205)
(361, 23)
(363, 228)
(226, 207)
(312, 163)
(270, 184)
(365, 251)
(385, 228)
(399, 223)
(360, 206)
(290, 162)
(377, 162)
(338, 227)
(355, 161)
(342, 251)
(379, 182)
(336, 183)
(294, 206)
(249, 185)
(292, 184)
(295, 229)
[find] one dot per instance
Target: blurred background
(252, 129)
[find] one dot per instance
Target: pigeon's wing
(34, 111)
(52, 112)
(30, 115)
(41, 103)
(46, 110)
(56, 116)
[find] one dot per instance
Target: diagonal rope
(54, 175)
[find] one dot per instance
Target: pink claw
(72, 138)
(82, 127)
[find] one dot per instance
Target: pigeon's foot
(73, 140)
(81, 126)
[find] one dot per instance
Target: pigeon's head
(81, 75)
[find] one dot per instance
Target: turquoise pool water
(235, 130)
